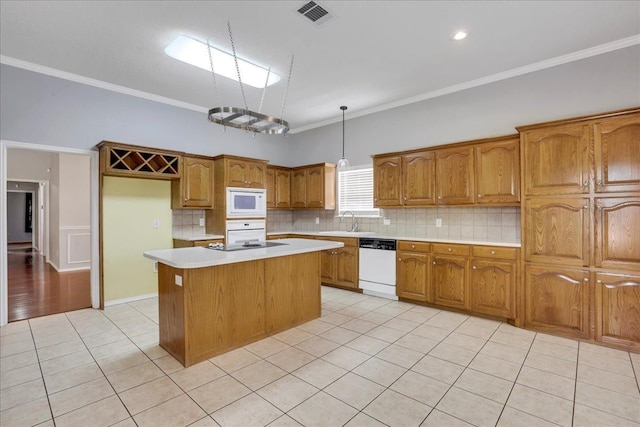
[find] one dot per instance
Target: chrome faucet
(354, 224)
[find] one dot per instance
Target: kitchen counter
(202, 257)
(366, 234)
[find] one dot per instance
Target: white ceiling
(371, 55)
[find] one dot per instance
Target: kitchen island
(213, 301)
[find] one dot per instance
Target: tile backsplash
(496, 224)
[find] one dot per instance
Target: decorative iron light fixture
(343, 163)
(243, 118)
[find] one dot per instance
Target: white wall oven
(246, 202)
(245, 232)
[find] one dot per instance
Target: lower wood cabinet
(413, 271)
(557, 300)
(178, 243)
(339, 267)
(450, 281)
(617, 309)
(492, 281)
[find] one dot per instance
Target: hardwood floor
(37, 289)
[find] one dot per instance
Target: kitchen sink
(346, 233)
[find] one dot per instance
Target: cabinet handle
(585, 183)
(479, 196)
(586, 279)
(185, 200)
(599, 183)
(474, 267)
(493, 252)
(405, 198)
(439, 197)
(449, 249)
(434, 263)
(585, 207)
(413, 246)
(598, 206)
(599, 282)
(399, 259)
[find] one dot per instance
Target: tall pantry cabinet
(581, 227)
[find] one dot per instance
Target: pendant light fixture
(343, 163)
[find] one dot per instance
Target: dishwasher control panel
(380, 244)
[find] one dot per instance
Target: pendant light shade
(343, 163)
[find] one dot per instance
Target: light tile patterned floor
(366, 362)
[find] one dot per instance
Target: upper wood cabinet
(454, 171)
(387, 181)
(617, 230)
(555, 160)
(195, 188)
(314, 187)
(617, 154)
(618, 310)
(497, 170)
(557, 231)
(419, 179)
(242, 172)
(557, 300)
(278, 187)
(133, 161)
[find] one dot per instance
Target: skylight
(194, 52)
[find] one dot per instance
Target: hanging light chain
(213, 74)
(235, 58)
(264, 90)
(286, 90)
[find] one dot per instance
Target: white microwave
(246, 202)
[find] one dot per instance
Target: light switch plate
(201, 222)
(438, 222)
(156, 223)
(317, 220)
(178, 280)
(387, 221)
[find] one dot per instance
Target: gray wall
(47, 110)
(598, 84)
(16, 217)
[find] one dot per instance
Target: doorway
(57, 270)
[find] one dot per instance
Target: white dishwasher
(378, 267)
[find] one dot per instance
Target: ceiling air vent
(315, 13)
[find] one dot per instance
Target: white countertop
(199, 237)
(202, 257)
(371, 234)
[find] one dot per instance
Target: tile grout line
(44, 384)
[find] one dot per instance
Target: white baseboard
(65, 270)
(130, 299)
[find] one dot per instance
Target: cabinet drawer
(206, 242)
(348, 241)
(450, 249)
(278, 236)
(414, 246)
(494, 252)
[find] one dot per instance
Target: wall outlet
(201, 222)
(438, 222)
(317, 220)
(387, 221)
(178, 280)
(155, 266)
(156, 223)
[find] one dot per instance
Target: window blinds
(355, 192)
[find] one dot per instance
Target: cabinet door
(412, 276)
(254, 174)
(617, 154)
(450, 284)
(418, 177)
(498, 172)
(299, 189)
(346, 273)
(617, 228)
(557, 231)
(492, 288)
(618, 310)
(454, 176)
(283, 189)
(556, 160)
(315, 187)
(557, 300)
(197, 183)
(387, 181)
(327, 266)
(270, 176)
(235, 173)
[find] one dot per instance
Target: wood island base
(217, 309)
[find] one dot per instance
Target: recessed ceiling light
(194, 52)
(459, 35)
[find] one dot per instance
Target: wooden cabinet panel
(118, 159)
(450, 249)
(557, 300)
(497, 172)
(315, 187)
(556, 160)
(254, 174)
(245, 173)
(235, 172)
(454, 176)
(346, 273)
(618, 310)
(617, 154)
(557, 231)
(450, 283)
(414, 246)
(387, 181)
(270, 181)
(492, 287)
(413, 276)
(617, 229)
(299, 189)
(283, 189)
(195, 187)
(494, 252)
(327, 266)
(418, 178)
